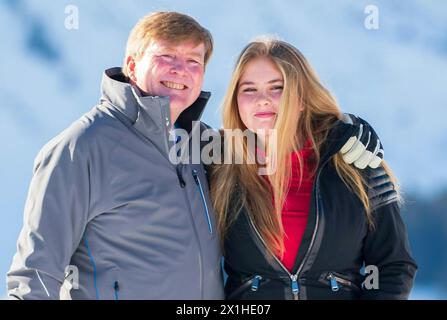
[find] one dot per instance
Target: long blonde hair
(302, 91)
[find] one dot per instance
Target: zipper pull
(255, 283)
(180, 176)
(194, 174)
(295, 286)
(334, 284)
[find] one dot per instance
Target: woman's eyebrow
(251, 82)
(246, 83)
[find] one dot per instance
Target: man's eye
(192, 61)
(167, 56)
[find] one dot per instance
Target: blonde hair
(173, 27)
(302, 90)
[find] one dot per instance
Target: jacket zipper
(295, 288)
(335, 282)
(182, 183)
(252, 283)
(255, 283)
(202, 195)
(294, 283)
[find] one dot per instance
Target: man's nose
(178, 67)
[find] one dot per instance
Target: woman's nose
(263, 99)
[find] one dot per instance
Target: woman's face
(258, 94)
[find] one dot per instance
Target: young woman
(306, 230)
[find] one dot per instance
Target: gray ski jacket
(108, 216)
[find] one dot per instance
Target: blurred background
(386, 63)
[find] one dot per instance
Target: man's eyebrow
(251, 82)
(196, 55)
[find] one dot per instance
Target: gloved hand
(363, 149)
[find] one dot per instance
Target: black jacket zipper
(295, 288)
(336, 281)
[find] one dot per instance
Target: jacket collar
(150, 115)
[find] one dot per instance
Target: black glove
(364, 149)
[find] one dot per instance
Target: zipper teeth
(314, 235)
(340, 280)
(317, 220)
(292, 277)
(265, 245)
(295, 276)
(199, 184)
(276, 258)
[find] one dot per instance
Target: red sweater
(296, 207)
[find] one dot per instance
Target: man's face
(174, 70)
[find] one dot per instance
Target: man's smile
(173, 85)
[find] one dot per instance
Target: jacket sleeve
(387, 246)
(55, 217)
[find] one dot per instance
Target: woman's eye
(278, 88)
(248, 90)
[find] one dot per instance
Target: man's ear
(130, 65)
